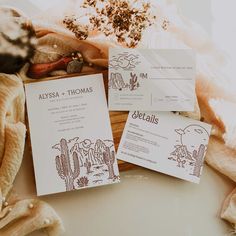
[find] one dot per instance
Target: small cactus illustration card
(71, 137)
(165, 142)
(151, 79)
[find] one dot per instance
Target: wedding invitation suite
(153, 80)
(165, 142)
(71, 136)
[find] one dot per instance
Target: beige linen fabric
(18, 218)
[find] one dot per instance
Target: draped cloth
(18, 217)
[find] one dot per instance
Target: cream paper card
(151, 79)
(165, 142)
(71, 136)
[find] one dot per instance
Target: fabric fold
(18, 218)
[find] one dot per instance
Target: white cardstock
(151, 79)
(71, 136)
(165, 142)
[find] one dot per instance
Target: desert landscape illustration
(83, 163)
(190, 150)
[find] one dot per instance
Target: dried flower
(80, 31)
(165, 24)
(113, 18)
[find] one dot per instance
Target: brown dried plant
(113, 18)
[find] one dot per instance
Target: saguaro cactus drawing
(88, 165)
(109, 159)
(64, 168)
(133, 82)
(198, 156)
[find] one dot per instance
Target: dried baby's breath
(113, 18)
(165, 24)
(71, 24)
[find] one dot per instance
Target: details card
(71, 136)
(151, 80)
(165, 142)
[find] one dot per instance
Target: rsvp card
(151, 80)
(165, 142)
(71, 136)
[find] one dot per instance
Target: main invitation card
(165, 142)
(151, 80)
(71, 136)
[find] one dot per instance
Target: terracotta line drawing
(191, 148)
(199, 157)
(181, 162)
(109, 159)
(82, 162)
(83, 181)
(116, 81)
(64, 168)
(181, 152)
(88, 165)
(124, 61)
(134, 84)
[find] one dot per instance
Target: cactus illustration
(63, 165)
(199, 157)
(109, 159)
(133, 82)
(88, 165)
(83, 181)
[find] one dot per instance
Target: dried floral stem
(113, 18)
